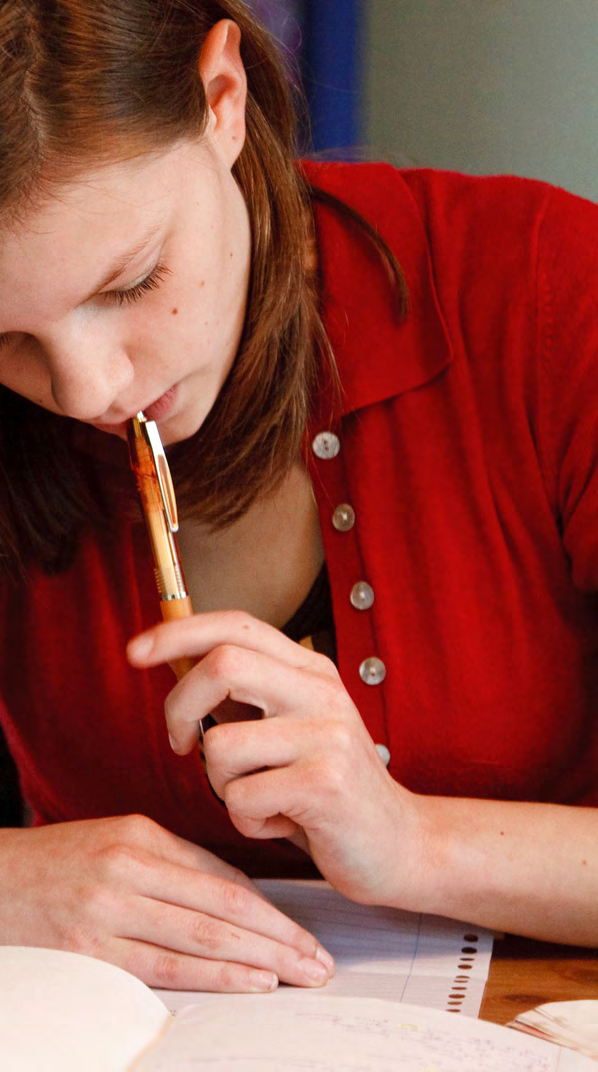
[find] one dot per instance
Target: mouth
(156, 411)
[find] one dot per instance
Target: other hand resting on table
(127, 891)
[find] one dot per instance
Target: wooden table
(524, 973)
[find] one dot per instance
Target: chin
(118, 430)
(178, 431)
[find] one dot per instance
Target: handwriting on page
(323, 1034)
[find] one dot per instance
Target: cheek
(24, 371)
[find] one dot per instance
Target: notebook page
(325, 1034)
(383, 952)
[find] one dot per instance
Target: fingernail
(263, 981)
(313, 970)
(173, 743)
(326, 959)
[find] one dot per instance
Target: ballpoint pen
(149, 463)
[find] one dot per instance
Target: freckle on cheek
(174, 312)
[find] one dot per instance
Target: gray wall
(486, 86)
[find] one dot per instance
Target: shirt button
(372, 671)
(384, 754)
(362, 595)
(343, 518)
(326, 445)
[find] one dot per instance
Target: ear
(225, 83)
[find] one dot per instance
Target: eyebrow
(119, 265)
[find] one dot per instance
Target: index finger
(199, 634)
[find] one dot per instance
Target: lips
(158, 409)
(154, 412)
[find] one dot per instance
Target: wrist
(413, 859)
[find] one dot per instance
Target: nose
(87, 374)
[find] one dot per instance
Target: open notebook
(62, 1012)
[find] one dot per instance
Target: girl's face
(127, 292)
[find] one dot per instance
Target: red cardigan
(468, 442)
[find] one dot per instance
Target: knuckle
(119, 859)
(82, 938)
(325, 666)
(166, 970)
(130, 845)
(341, 739)
(207, 934)
(236, 901)
(235, 793)
(101, 902)
(246, 827)
(86, 927)
(136, 828)
(215, 744)
(336, 694)
(231, 978)
(336, 780)
(333, 776)
(224, 661)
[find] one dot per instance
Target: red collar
(379, 355)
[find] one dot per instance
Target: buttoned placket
(340, 539)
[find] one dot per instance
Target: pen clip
(149, 430)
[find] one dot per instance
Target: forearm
(524, 868)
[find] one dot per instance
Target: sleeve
(568, 354)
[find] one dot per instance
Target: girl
(377, 393)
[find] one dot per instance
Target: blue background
(325, 38)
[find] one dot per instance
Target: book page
(569, 1023)
(248, 1033)
(63, 1012)
(383, 952)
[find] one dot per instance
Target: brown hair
(109, 79)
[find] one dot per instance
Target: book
(64, 1012)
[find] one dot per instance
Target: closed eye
(129, 295)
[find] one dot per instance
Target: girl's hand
(308, 770)
(126, 891)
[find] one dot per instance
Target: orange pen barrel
(156, 492)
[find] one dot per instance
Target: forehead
(113, 195)
(94, 199)
(95, 216)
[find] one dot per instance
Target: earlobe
(225, 83)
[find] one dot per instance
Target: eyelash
(133, 294)
(125, 297)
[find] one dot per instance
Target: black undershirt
(314, 618)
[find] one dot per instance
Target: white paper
(569, 1023)
(382, 952)
(63, 1012)
(326, 1034)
